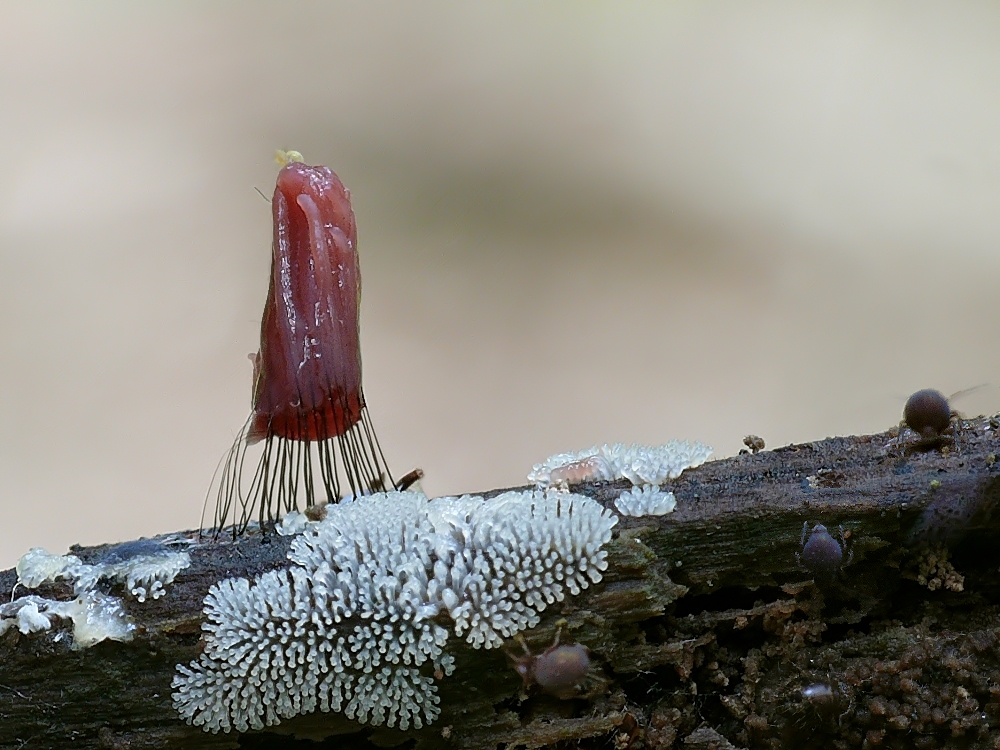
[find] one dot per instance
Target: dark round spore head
(927, 412)
(561, 668)
(822, 554)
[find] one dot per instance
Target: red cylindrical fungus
(308, 404)
(307, 375)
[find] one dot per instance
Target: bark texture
(706, 631)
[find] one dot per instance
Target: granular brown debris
(932, 568)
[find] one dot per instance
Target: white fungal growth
(144, 567)
(98, 617)
(95, 616)
(292, 523)
(145, 575)
(38, 566)
(358, 623)
(564, 469)
(29, 614)
(640, 464)
(648, 500)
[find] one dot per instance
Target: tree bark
(706, 631)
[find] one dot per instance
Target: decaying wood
(704, 633)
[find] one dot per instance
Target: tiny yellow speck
(287, 157)
(935, 484)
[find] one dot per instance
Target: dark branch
(705, 632)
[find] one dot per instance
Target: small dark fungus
(821, 554)
(558, 670)
(927, 412)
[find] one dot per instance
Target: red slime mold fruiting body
(307, 383)
(308, 406)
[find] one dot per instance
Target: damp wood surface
(705, 632)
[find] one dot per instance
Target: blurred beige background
(579, 222)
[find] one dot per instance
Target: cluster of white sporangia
(358, 622)
(145, 567)
(95, 616)
(645, 466)
(647, 500)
